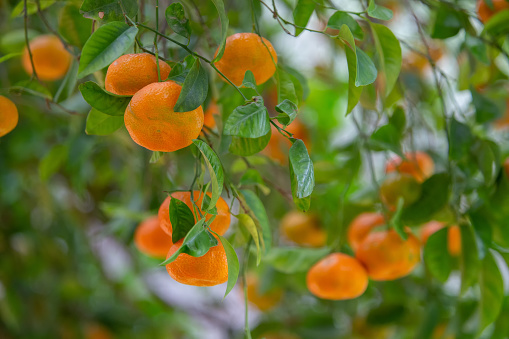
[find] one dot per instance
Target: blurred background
(70, 202)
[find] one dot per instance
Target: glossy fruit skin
(152, 123)
(337, 277)
(8, 115)
(210, 113)
(246, 51)
(303, 229)
(220, 224)
(278, 147)
(151, 240)
(265, 301)
(208, 270)
(361, 226)
(131, 72)
(398, 185)
(485, 12)
(453, 235)
(388, 257)
(418, 164)
(51, 59)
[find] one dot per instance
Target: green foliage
(194, 89)
(181, 218)
(104, 101)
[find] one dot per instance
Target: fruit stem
(155, 42)
(34, 73)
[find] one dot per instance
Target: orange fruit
(51, 59)
(485, 12)
(152, 123)
(361, 226)
(263, 301)
(208, 270)
(97, 332)
(220, 224)
(337, 277)
(8, 115)
(210, 113)
(279, 146)
(303, 229)
(418, 164)
(131, 72)
(150, 238)
(246, 51)
(400, 185)
(388, 257)
(453, 235)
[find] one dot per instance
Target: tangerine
(485, 12)
(8, 115)
(51, 59)
(361, 226)
(303, 229)
(150, 238)
(417, 164)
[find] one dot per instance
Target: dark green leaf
(293, 259)
(287, 112)
(99, 123)
(194, 90)
(52, 161)
(108, 10)
(339, 19)
(354, 92)
(102, 100)
(461, 139)
(233, 264)
(398, 119)
(434, 196)
(32, 88)
(302, 13)
(485, 109)
(31, 7)
(215, 170)
(224, 27)
(196, 243)
(286, 87)
(478, 48)
(498, 24)
(248, 223)
(248, 121)
(181, 218)
(448, 23)
(176, 19)
(485, 154)
(302, 168)
(248, 146)
(395, 221)
(249, 80)
(104, 46)
(436, 255)
(388, 138)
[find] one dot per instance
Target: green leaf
(248, 121)
(395, 221)
(286, 87)
(398, 120)
(470, 264)
(388, 53)
(102, 100)
(10, 56)
(434, 196)
(379, 12)
(53, 161)
(338, 19)
(108, 10)
(176, 19)
(253, 177)
(194, 90)
(259, 216)
(498, 24)
(248, 146)
(180, 70)
(156, 155)
(386, 138)
(485, 109)
(181, 218)
(354, 92)
(107, 44)
(248, 223)
(461, 139)
(233, 264)
(33, 88)
(287, 112)
(215, 171)
(436, 255)
(224, 27)
(478, 48)
(293, 259)
(302, 13)
(196, 243)
(99, 123)
(448, 23)
(302, 168)
(249, 80)
(485, 154)
(73, 26)
(31, 7)
(492, 291)
(366, 70)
